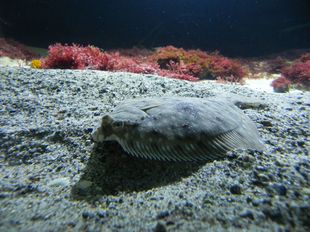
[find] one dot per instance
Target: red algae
(178, 63)
(281, 85)
(199, 64)
(75, 57)
(299, 72)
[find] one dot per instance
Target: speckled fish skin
(178, 128)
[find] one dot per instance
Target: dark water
(235, 27)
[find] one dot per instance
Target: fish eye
(106, 120)
(118, 124)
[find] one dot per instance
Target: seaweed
(298, 73)
(281, 85)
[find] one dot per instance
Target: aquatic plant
(117, 62)
(166, 54)
(90, 57)
(75, 57)
(15, 50)
(276, 65)
(176, 75)
(298, 73)
(281, 85)
(199, 64)
(224, 69)
(168, 61)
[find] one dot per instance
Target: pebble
(235, 189)
(102, 213)
(261, 168)
(59, 182)
(266, 123)
(247, 214)
(88, 214)
(275, 214)
(162, 214)
(258, 202)
(277, 189)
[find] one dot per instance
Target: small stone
(262, 177)
(59, 182)
(188, 204)
(266, 123)
(277, 189)
(249, 200)
(274, 214)
(88, 130)
(305, 191)
(162, 214)
(87, 215)
(71, 224)
(25, 189)
(279, 163)
(300, 143)
(258, 202)
(247, 214)
(102, 213)
(235, 189)
(4, 195)
(170, 223)
(261, 168)
(232, 155)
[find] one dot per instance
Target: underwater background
(234, 27)
(67, 66)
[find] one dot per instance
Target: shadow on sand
(110, 171)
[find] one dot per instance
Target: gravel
(52, 177)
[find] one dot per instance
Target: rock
(247, 214)
(266, 123)
(235, 189)
(59, 182)
(274, 213)
(277, 189)
(102, 213)
(162, 214)
(88, 214)
(263, 201)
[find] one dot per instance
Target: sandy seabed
(52, 178)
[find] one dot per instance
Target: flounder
(178, 128)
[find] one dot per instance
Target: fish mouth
(104, 131)
(104, 134)
(97, 136)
